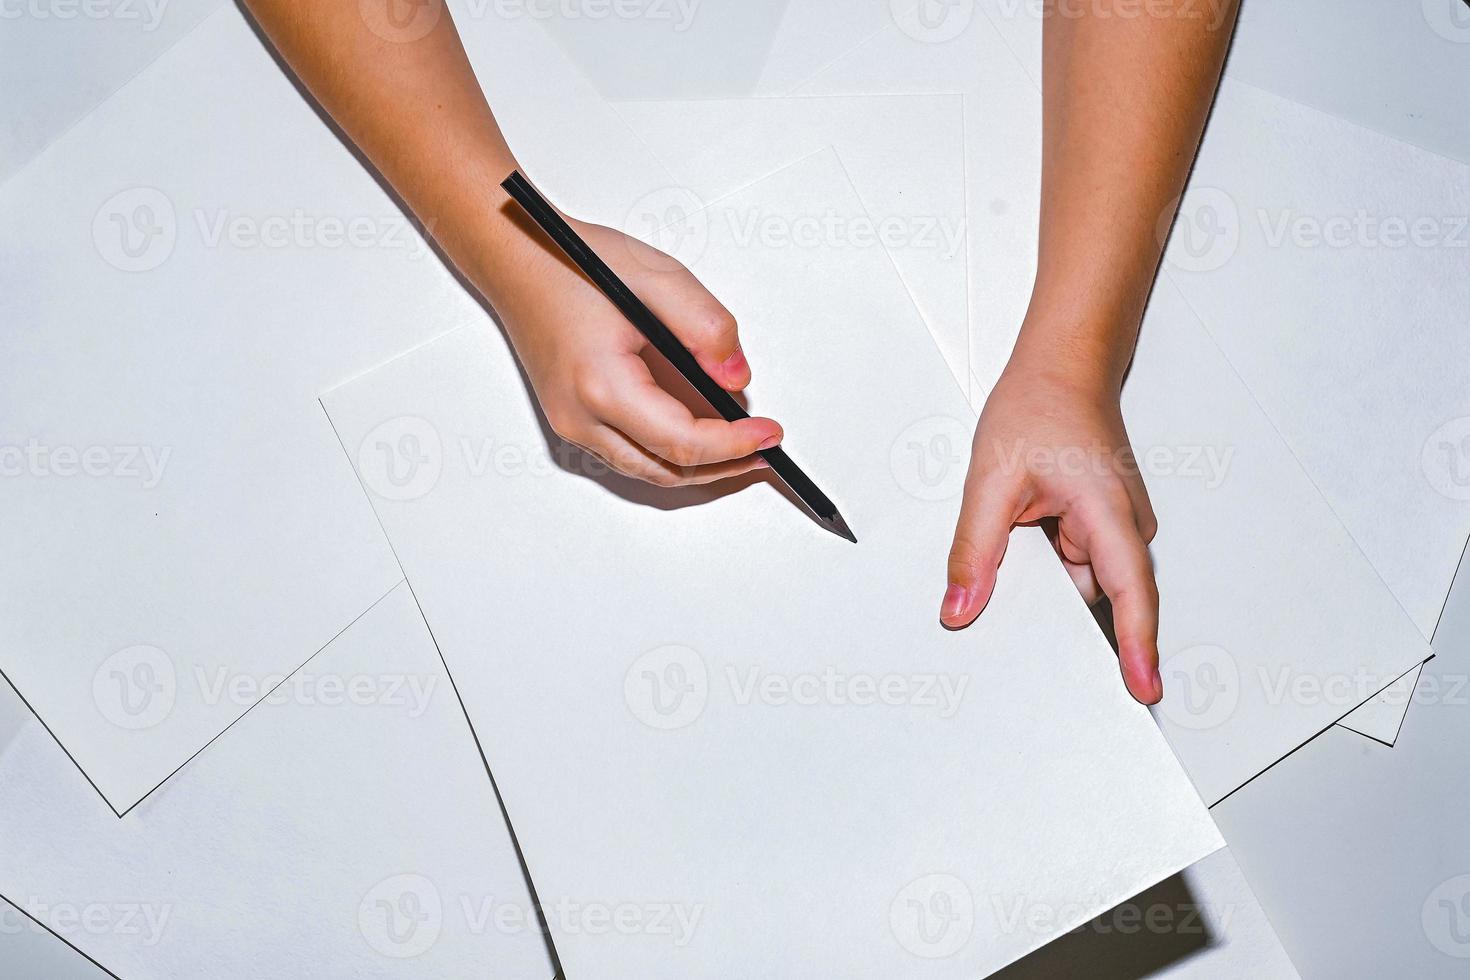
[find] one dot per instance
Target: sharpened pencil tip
(839, 527)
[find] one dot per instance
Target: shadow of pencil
(1161, 926)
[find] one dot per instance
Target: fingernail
(954, 601)
(736, 364)
(1158, 682)
(771, 442)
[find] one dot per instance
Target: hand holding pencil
(668, 345)
(586, 362)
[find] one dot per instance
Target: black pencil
(664, 341)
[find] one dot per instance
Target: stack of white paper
(1357, 850)
(1264, 643)
(1338, 293)
(347, 827)
(731, 743)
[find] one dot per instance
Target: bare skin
(1125, 102)
(1128, 86)
(415, 108)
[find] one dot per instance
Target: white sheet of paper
(904, 154)
(708, 703)
(813, 33)
(557, 123)
(1202, 924)
(346, 827)
(651, 49)
(1002, 124)
(1322, 635)
(1358, 851)
(1339, 292)
(200, 259)
(1392, 67)
(1381, 716)
(1019, 23)
(59, 61)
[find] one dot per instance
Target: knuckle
(713, 322)
(682, 454)
(1144, 592)
(594, 391)
(1100, 507)
(992, 474)
(964, 560)
(990, 464)
(564, 423)
(625, 460)
(661, 264)
(1114, 496)
(995, 484)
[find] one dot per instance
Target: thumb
(703, 325)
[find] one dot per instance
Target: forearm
(415, 110)
(1127, 90)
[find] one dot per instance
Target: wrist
(477, 224)
(1079, 361)
(1083, 350)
